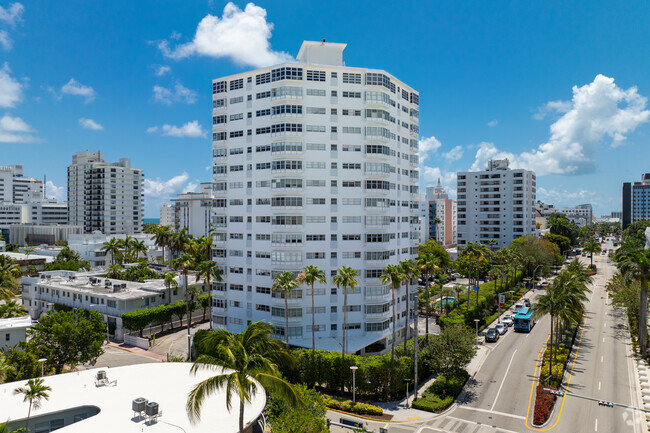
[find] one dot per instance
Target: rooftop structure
(13, 331)
(77, 404)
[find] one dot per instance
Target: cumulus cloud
(492, 123)
(90, 124)
(454, 154)
(162, 70)
(159, 188)
(191, 129)
(429, 177)
(180, 93)
(5, 40)
(599, 111)
(11, 91)
(428, 145)
(241, 35)
(552, 107)
(15, 130)
(55, 192)
(75, 88)
(13, 14)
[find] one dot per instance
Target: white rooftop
(21, 256)
(92, 282)
(164, 383)
(16, 322)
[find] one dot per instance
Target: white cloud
(598, 111)
(242, 36)
(429, 177)
(5, 40)
(428, 145)
(15, 130)
(179, 94)
(552, 107)
(90, 124)
(492, 123)
(454, 154)
(191, 129)
(13, 14)
(56, 192)
(11, 91)
(162, 70)
(158, 188)
(73, 87)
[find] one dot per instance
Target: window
(234, 134)
(315, 110)
(237, 151)
(286, 147)
(286, 220)
(315, 128)
(351, 184)
(286, 73)
(315, 237)
(286, 109)
(286, 127)
(218, 87)
(217, 120)
(260, 113)
(287, 165)
(286, 201)
(262, 95)
(237, 116)
(264, 130)
(236, 168)
(286, 92)
(375, 79)
(315, 164)
(351, 78)
(237, 100)
(316, 182)
(262, 165)
(265, 308)
(352, 95)
(350, 130)
(315, 75)
(237, 84)
(351, 166)
(316, 201)
(315, 146)
(315, 92)
(263, 78)
(351, 112)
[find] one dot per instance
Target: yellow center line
(532, 386)
(568, 382)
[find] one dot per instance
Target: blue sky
(558, 87)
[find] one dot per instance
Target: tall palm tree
(112, 247)
(170, 283)
(11, 309)
(592, 246)
(138, 247)
(162, 236)
(426, 263)
(394, 276)
(346, 277)
(285, 283)
(311, 275)
(634, 264)
(9, 272)
(186, 262)
(5, 367)
(114, 271)
(436, 223)
(179, 240)
(242, 363)
(34, 392)
(209, 271)
(410, 271)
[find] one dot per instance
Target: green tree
(634, 264)
(240, 361)
(138, 247)
(170, 283)
(162, 236)
(592, 247)
(11, 309)
(426, 263)
(23, 365)
(33, 392)
(310, 418)
(5, 367)
(562, 242)
(66, 337)
(209, 271)
(449, 353)
(394, 276)
(284, 283)
(112, 247)
(114, 271)
(347, 278)
(9, 272)
(410, 271)
(311, 275)
(636, 231)
(27, 250)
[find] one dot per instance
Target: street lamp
(511, 292)
(42, 361)
(189, 346)
(354, 383)
(407, 381)
(476, 321)
(533, 281)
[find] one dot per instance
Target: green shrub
(432, 403)
(441, 394)
(337, 403)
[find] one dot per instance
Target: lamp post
(407, 381)
(511, 292)
(533, 281)
(476, 321)
(354, 383)
(189, 346)
(42, 361)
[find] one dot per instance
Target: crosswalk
(447, 424)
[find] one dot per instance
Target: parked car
(492, 335)
(501, 328)
(507, 320)
(456, 275)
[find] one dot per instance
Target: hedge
(348, 406)
(139, 319)
(441, 394)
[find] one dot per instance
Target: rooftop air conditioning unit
(139, 404)
(117, 287)
(107, 283)
(151, 408)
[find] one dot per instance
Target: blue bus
(524, 320)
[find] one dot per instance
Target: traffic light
(605, 403)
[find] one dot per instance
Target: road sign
(502, 300)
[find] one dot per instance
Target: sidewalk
(136, 350)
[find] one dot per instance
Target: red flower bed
(543, 405)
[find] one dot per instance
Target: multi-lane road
(500, 398)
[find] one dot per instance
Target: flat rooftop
(16, 323)
(22, 257)
(92, 282)
(166, 383)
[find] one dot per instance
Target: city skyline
(547, 88)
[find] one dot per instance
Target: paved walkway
(137, 350)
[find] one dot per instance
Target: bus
(524, 320)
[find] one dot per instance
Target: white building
(91, 291)
(16, 188)
(167, 215)
(13, 331)
(194, 210)
(105, 196)
(497, 203)
(89, 247)
(582, 214)
(314, 163)
(78, 404)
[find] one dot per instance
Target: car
(518, 307)
(456, 275)
(501, 328)
(492, 335)
(507, 320)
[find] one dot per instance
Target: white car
(501, 328)
(507, 320)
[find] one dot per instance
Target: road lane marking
(475, 423)
(604, 325)
(603, 339)
(596, 426)
(478, 409)
(601, 358)
(532, 385)
(504, 379)
(599, 385)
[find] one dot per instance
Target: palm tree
(138, 247)
(179, 240)
(242, 362)
(426, 264)
(112, 247)
(5, 367)
(634, 264)
(9, 271)
(436, 223)
(311, 275)
(114, 271)
(346, 277)
(27, 250)
(394, 275)
(33, 392)
(170, 282)
(185, 262)
(209, 271)
(285, 283)
(491, 243)
(162, 236)
(410, 270)
(11, 309)
(592, 246)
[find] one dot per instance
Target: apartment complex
(444, 210)
(16, 188)
(497, 204)
(636, 201)
(105, 197)
(581, 214)
(314, 163)
(167, 215)
(193, 211)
